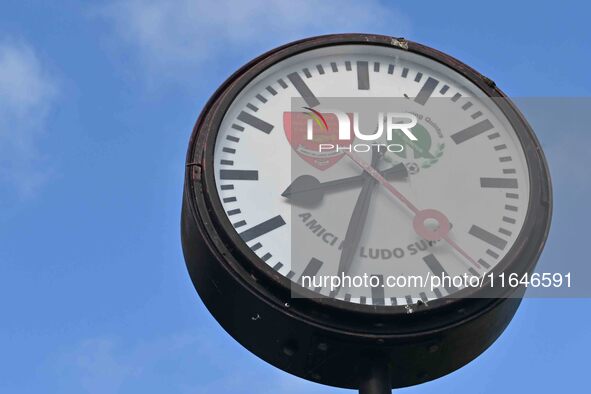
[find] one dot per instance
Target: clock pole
(376, 378)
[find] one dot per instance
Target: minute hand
(357, 221)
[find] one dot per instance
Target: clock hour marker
(426, 91)
(261, 98)
(483, 263)
(239, 224)
(487, 237)
(377, 292)
(492, 254)
(255, 122)
(303, 89)
(473, 272)
(472, 131)
(262, 228)
(437, 269)
(311, 269)
(239, 175)
(500, 183)
(362, 76)
(266, 256)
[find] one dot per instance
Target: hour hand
(307, 190)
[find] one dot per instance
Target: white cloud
(26, 95)
(102, 368)
(203, 362)
(183, 35)
(104, 365)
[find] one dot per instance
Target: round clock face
(449, 203)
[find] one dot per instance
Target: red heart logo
(325, 130)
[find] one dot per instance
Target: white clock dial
(468, 165)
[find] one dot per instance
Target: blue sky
(97, 101)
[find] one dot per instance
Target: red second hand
(443, 233)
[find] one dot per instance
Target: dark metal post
(376, 379)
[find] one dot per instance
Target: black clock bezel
(250, 271)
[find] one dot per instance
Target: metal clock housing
(329, 340)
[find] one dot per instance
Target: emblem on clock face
(423, 153)
(297, 126)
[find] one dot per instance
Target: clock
(285, 196)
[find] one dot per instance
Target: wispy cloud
(195, 363)
(26, 95)
(101, 366)
(176, 37)
(105, 365)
